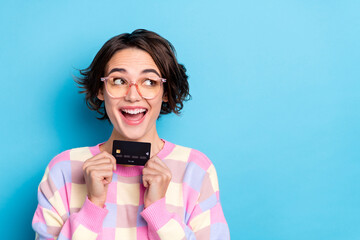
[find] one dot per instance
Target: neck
(156, 143)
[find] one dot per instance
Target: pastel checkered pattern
(191, 208)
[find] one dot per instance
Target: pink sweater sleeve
(205, 219)
(54, 218)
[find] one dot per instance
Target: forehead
(133, 60)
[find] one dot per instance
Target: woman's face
(133, 117)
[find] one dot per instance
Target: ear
(165, 98)
(100, 95)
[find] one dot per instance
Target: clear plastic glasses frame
(106, 79)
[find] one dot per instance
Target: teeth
(134, 111)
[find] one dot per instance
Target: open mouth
(133, 116)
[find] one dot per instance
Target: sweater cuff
(92, 216)
(156, 214)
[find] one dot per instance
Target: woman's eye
(119, 81)
(149, 82)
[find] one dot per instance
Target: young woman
(84, 194)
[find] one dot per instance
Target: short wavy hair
(176, 88)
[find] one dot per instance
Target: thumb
(145, 181)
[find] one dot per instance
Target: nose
(133, 95)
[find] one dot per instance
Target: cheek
(109, 107)
(156, 107)
(159, 103)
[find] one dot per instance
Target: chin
(134, 130)
(133, 135)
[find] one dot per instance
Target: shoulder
(190, 156)
(196, 170)
(80, 154)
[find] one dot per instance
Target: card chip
(118, 151)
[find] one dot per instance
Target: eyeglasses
(118, 87)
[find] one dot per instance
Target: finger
(145, 183)
(89, 171)
(152, 163)
(112, 158)
(102, 155)
(157, 171)
(99, 156)
(160, 161)
(99, 167)
(155, 165)
(152, 171)
(94, 160)
(148, 179)
(110, 161)
(99, 161)
(152, 179)
(101, 175)
(107, 179)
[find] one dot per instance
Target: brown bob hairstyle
(176, 88)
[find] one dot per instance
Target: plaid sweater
(191, 208)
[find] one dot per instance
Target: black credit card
(131, 153)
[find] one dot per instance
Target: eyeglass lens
(148, 88)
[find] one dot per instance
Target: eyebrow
(148, 70)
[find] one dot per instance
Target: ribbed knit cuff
(156, 214)
(91, 216)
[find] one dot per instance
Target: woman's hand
(98, 172)
(156, 179)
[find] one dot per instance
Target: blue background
(275, 106)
